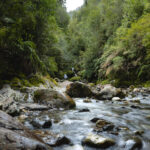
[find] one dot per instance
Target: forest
(103, 40)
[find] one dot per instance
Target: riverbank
(99, 120)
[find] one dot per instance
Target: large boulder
(78, 89)
(15, 136)
(108, 92)
(53, 98)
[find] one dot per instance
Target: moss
(105, 82)
(16, 82)
(36, 80)
(37, 96)
(91, 84)
(26, 83)
(77, 78)
(146, 84)
(47, 77)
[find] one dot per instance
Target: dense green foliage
(110, 40)
(104, 40)
(28, 36)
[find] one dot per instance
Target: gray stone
(14, 136)
(53, 99)
(53, 139)
(41, 122)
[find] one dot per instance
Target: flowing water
(126, 114)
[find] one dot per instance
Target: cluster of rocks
(107, 92)
(15, 108)
(15, 136)
(100, 141)
(13, 102)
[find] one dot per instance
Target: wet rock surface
(133, 144)
(41, 122)
(15, 136)
(53, 139)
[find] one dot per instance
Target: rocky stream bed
(99, 117)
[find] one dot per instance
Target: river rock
(14, 136)
(41, 122)
(87, 101)
(135, 101)
(10, 106)
(78, 89)
(94, 120)
(84, 110)
(103, 125)
(53, 139)
(138, 132)
(53, 99)
(98, 141)
(133, 144)
(135, 107)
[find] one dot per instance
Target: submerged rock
(53, 99)
(78, 89)
(84, 110)
(98, 141)
(14, 136)
(133, 144)
(87, 101)
(135, 107)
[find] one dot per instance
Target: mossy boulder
(78, 89)
(53, 98)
